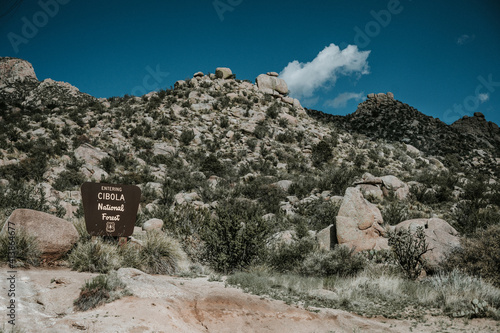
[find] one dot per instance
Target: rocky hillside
(472, 141)
(213, 129)
(484, 131)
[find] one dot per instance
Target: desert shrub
(465, 217)
(139, 143)
(252, 143)
(19, 249)
(108, 164)
(81, 227)
(473, 212)
(224, 122)
(187, 136)
(267, 194)
(378, 256)
(341, 261)
(186, 220)
(461, 295)
(261, 131)
(395, 212)
(319, 213)
(212, 166)
(159, 254)
(408, 248)
(235, 237)
(102, 289)
(70, 177)
(18, 194)
(302, 186)
(270, 197)
(442, 183)
(321, 153)
(378, 292)
(273, 110)
(338, 179)
(94, 256)
(286, 137)
(478, 255)
(32, 167)
(287, 257)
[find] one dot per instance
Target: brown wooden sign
(110, 210)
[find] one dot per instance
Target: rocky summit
(237, 175)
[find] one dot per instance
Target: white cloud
(465, 39)
(483, 97)
(341, 100)
(303, 79)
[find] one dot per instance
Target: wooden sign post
(110, 209)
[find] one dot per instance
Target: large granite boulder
(271, 84)
(153, 224)
(359, 222)
(55, 236)
(380, 187)
(327, 238)
(223, 73)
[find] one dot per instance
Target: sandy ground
(44, 303)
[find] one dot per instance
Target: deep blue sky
(430, 54)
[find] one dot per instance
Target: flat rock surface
(44, 298)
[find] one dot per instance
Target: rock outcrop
(381, 187)
(271, 84)
(14, 69)
(477, 126)
(152, 224)
(359, 222)
(55, 236)
(223, 73)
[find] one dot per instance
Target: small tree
(321, 153)
(408, 248)
(235, 237)
(187, 136)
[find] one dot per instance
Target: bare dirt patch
(159, 303)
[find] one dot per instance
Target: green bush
(187, 136)
(18, 194)
(94, 256)
(19, 249)
(68, 179)
(100, 290)
(395, 212)
(321, 153)
(341, 261)
(212, 166)
(261, 131)
(235, 237)
(338, 179)
(108, 164)
(408, 248)
(81, 227)
(286, 137)
(159, 254)
(478, 256)
(469, 216)
(319, 213)
(287, 257)
(71, 177)
(273, 110)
